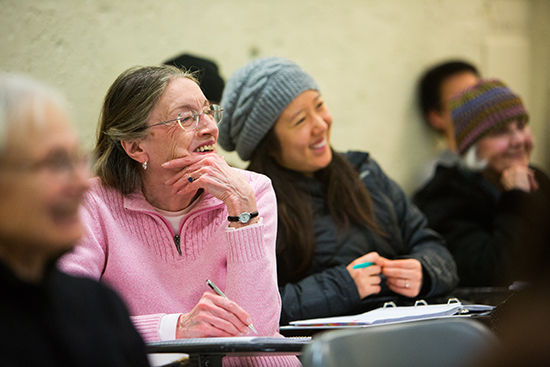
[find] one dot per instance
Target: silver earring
(144, 165)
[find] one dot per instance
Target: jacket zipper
(177, 241)
(177, 238)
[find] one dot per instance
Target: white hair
(471, 161)
(22, 105)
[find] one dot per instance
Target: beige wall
(366, 55)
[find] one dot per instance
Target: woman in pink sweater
(166, 213)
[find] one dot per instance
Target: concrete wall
(366, 55)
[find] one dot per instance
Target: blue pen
(220, 293)
(362, 265)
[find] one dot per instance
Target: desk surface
(479, 295)
(237, 346)
(482, 295)
(304, 331)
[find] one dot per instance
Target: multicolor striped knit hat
(482, 108)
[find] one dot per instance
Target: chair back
(449, 342)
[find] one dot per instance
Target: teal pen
(362, 265)
(220, 293)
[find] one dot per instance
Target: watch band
(243, 217)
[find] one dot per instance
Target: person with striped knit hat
(480, 204)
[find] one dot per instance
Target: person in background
(209, 77)
(49, 318)
(436, 87)
(478, 204)
(165, 213)
(336, 211)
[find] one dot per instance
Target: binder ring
(420, 302)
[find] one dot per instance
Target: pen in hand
(220, 293)
(363, 265)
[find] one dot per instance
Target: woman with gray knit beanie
(348, 239)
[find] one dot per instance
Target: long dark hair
(348, 201)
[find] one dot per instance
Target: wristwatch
(243, 217)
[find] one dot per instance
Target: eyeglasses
(57, 163)
(189, 121)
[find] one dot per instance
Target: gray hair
(22, 105)
(124, 117)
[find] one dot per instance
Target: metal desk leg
(206, 360)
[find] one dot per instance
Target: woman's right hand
(367, 280)
(212, 173)
(519, 177)
(213, 316)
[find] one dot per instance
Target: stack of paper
(385, 315)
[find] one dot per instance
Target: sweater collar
(136, 202)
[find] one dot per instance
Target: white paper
(385, 315)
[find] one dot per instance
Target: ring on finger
(190, 179)
(407, 283)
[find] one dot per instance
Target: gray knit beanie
(253, 99)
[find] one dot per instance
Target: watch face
(244, 218)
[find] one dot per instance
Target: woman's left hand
(403, 276)
(211, 173)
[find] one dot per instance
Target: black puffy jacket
(479, 223)
(329, 290)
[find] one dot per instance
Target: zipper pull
(177, 241)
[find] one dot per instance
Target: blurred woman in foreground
(48, 318)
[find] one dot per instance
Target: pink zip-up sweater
(133, 249)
